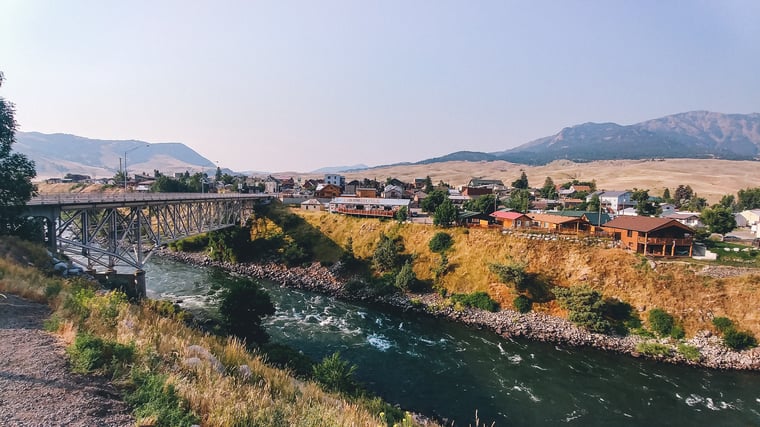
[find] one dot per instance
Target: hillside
(709, 178)
(55, 155)
(693, 298)
(694, 134)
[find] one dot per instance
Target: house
(628, 212)
(652, 236)
(392, 192)
(513, 220)
(580, 188)
(614, 201)
(473, 218)
(327, 191)
(287, 183)
(368, 206)
(272, 185)
(419, 183)
(490, 183)
(596, 219)
(570, 203)
(559, 223)
(667, 209)
(312, 205)
(689, 219)
(351, 187)
(476, 191)
(751, 217)
(367, 192)
(335, 179)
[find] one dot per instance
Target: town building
(652, 236)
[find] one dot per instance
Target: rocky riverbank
(507, 323)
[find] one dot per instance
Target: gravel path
(36, 387)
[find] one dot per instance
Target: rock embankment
(507, 323)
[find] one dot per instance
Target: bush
(723, 324)
(387, 254)
(585, 307)
(653, 349)
(689, 352)
(739, 340)
(677, 332)
(661, 322)
(405, 278)
(479, 300)
(522, 304)
(90, 354)
(440, 242)
(154, 399)
(513, 272)
(242, 304)
(286, 357)
(335, 374)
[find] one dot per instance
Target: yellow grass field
(675, 287)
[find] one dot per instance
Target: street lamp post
(125, 162)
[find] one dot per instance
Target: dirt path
(36, 387)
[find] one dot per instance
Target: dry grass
(216, 388)
(675, 287)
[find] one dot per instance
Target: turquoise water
(444, 369)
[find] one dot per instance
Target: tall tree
(218, 175)
(485, 204)
(728, 201)
(684, 193)
(549, 191)
(749, 198)
(433, 200)
(594, 204)
(719, 219)
(445, 214)
(522, 182)
(643, 205)
(16, 173)
(519, 200)
(428, 185)
(666, 194)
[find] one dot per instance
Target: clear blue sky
(286, 85)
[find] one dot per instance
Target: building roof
(554, 219)
(311, 202)
(507, 215)
(613, 193)
(682, 215)
(585, 188)
(592, 217)
(644, 224)
(370, 201)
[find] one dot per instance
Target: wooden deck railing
(366, 212)
(665, 241)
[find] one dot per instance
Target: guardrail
(89, 198)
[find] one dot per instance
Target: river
(437, 367)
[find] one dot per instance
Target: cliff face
(678, 288)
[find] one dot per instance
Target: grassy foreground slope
(675, 287)
(191, 376)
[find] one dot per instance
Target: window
(630, 233)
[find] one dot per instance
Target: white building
(335, 179)
(614, 201)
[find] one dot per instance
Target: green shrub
(653, 349)
(522, 304)
(689, 352)
(242, 305)
(513, 272)
(677, 332)
(285, 357)
(585, 307)
(405, 278)
(722, 324)
(440, 242)
(53, 288)
(153, 398)
(335, 374)
(52, 323)
(195, 243)
(90, 354)
(661, 322)
(387, 255)
(642, 332)
(479, 300)
(739, 340)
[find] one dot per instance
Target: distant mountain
(338, 169)
(696, 134)
(57, 154)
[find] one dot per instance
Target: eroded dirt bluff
(681, 288)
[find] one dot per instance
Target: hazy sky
(286, 85)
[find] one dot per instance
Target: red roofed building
(512, 219)
(652, 236)
(560, 224)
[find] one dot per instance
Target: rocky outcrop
(507, 323)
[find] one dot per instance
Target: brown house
(366, 192)
(560, 224)
(652, 236)
(476, 191)
(512, 219)
(327, 191)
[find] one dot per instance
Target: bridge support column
(140, 290)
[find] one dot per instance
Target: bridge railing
(84, 198)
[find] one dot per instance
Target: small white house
(312, 205)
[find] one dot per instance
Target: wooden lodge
(652, 236)
(366, 206)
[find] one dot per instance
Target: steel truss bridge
(103, 231)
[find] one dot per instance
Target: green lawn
(735, 253)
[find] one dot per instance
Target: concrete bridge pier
(139, 283)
